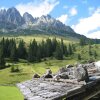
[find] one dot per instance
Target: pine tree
(22, 50)
(59, 52)
(43, 49)
(49, 50)
(6, 48)
(39, 53)
(66, 51)
(62, 46)
(82, 42)
(70, 51)
(13, 54)
(90, 51)
(95, 54)
(2, 60)
(54, 44)
(32, 52)
(79, 57)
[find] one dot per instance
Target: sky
(82, 15)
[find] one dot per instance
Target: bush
(14, 69)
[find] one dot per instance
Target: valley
(30, 45)
(27, 70)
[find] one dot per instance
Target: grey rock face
(36, 76)
(48, 74)
(28, 18)
(2, 15)
(64, 76)
(81, 74)
(61, 70)
(11, 19)
(13, 16)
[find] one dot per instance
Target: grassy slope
(39, 38)
(10, 93)
(27, 70)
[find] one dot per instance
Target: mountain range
(11, 21)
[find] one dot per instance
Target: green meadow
(27, 70)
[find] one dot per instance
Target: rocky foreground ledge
(69, 81)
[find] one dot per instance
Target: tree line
(34, 52)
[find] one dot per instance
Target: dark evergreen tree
(79, 57)
(43, 49)
(73, 47)
(90, 51)
(95, 54)
(22, 50)
(62, 46)
(48, 48)
(66, 51)
(6, 48)
(13, 53)
(2, 60)
(39, 53)
(70, 51)
(82, 41)
(54, 44)
(59, 52)
(32, 52)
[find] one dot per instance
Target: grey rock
(13, 16)
(81, 73)
(69, 66)
(61, 70)
(64, 76)
(28, 18)
(36, 76)
(48, 76)
(49, 72)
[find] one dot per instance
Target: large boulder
(36, 76)
(81, 73)
(69, 66)
(97, 65)
(64, 75)
(48, 74)
(61, 70)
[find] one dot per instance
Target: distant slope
(39, 38)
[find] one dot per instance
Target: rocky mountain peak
(13, 16)
(2, 11)
(28, 18)
(11, 19)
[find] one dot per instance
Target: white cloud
(87, 25)
(38, 7)
(95, 35)
(73, 11)
(63, 18)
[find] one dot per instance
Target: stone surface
(46, 90)
(59, 86)
(81, 73)
(36, 76)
